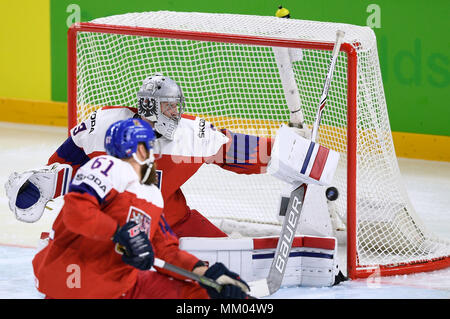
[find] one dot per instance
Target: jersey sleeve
(69, 153)
(82, 215)
(166, 246)
(90, 188)
(244, 154)
(78, 148)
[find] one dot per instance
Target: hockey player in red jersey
(112, 226)
(185, 144)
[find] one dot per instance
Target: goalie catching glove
(135, 246)
(233, 287)
(30, 191)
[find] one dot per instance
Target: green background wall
(412, 41)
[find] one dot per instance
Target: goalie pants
(153, 285)
(196, 225)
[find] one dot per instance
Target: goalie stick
(326, 86)
(269, 285)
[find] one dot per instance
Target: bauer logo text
(288, 236)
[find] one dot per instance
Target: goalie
(184, 144)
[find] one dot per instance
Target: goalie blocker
(312, 260)
(296, 160)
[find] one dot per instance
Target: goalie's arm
(72, 151)
(243, 154)
(247, 154)
(69, 153)
(28, 192)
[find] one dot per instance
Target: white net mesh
(238, 86)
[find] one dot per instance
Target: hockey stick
(269, 285)
(326, 87)
(191, 275)
(272, 283)
(183, 272)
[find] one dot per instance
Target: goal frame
(353, 271)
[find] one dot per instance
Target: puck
(332, 193)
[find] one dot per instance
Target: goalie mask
(161, 101)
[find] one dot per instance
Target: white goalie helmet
(161, 101)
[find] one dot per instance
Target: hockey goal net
(227, 69)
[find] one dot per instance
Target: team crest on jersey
(141, 218)
(143, 221)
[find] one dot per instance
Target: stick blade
(290, 223)
(271, 284)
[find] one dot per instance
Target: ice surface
(27, 146)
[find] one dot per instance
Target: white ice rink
(27, 146)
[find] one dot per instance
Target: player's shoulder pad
(90, 133)
(104, 173)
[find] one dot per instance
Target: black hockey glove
(233, 287)
(138, 251)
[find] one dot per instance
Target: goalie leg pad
(312, 261)
(29, 192)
